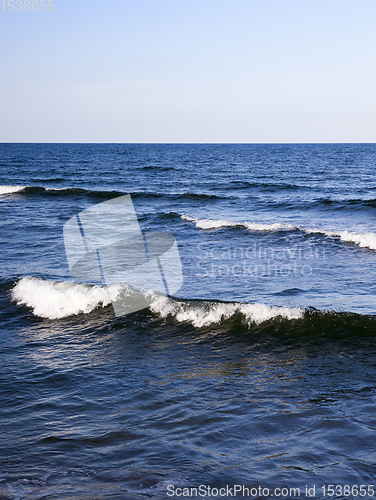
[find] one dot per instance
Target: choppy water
(260, 371)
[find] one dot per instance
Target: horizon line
(186, 143)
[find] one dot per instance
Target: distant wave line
(273, 203)
(8, 190)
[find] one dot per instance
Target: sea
(256, 379)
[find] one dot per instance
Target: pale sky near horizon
(189, 71)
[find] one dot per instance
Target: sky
(222, 71)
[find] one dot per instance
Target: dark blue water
(260, 371)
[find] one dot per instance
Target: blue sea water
(260, 371)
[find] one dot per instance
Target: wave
(364, 240)
(346, 204)
(207, 313)
(38, 189)
(11, 189)
(319, 203)
(266, 186)
(217, 224)
(100, 194)
(351, 203)
(4, 190)
(55, 300)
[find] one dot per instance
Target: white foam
(54, 300)
(277, 226)
(216, 224)
(211, 313)
(11, 189)
(364, 240)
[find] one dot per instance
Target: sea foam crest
(253, 226)
(364, 240)
(211, 313)
(11, 189)
(54, 300)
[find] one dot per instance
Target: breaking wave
(56, 300)
(207, 313)
(11, 189)
(216, 224)
(364, 240)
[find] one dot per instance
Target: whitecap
(205, 313)
(54, 300)
(364, 240)
(11, 189)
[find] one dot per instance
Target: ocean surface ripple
(260, 371)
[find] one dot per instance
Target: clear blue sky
(189, 71)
